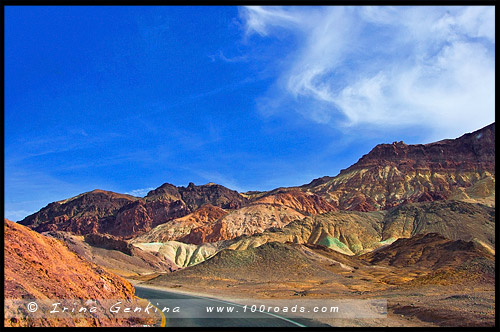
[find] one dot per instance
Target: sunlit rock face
(39, 267)
(391, 174)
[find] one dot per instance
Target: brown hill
(433, 259)
(455, 220)
(38, 267)
(86, 213)
(248, 220)
(101, 211)
(280, 269)
(304, 202)
(271, 263)
(178, 228)
(391, 174)
(430, 250)
(353, 232)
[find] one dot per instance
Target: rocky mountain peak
(398, 173)
(473, 151)
(211, 193)
(166, 191)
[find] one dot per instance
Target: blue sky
(128, 98)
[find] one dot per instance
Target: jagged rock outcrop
(196, 196)
(391, 174)
(211, 193)
(107, 241)
(166, 192)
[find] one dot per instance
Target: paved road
(248, 319)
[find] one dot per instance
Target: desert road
(161, 299)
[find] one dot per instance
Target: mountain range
(404, 217)
(390, 175)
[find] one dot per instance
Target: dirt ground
(407, 306)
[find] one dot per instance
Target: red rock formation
(211, 193)
(101, 211)
(391, 174)
(86, 213)
(205, 214)
(248, 220)
(140, 217)
(306, 203)
(39, 267)
(180, 227)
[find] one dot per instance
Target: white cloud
(219, 178)
(139, 192)
(384, 67)
(224, 58)
(259, 19)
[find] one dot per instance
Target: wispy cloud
(383, 67)
(140, 192)
(219, 178)
(221, 56)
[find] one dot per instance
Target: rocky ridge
(354, 233)
(392, 174)
(180, 227)
(248, 220)
(39, 267)
(126, 216)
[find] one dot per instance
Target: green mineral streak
(150, 244)
(388, 241)
(330, 242)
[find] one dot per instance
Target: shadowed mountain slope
(101, 211)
